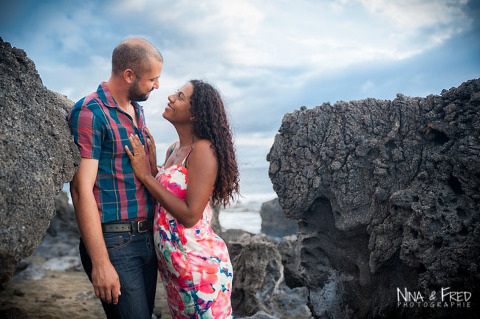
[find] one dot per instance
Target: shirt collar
(107, 98)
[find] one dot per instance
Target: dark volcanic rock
(13, 313)
(37, 156)
(215, 222)
(289, 249)
(258, 271)
(274, 223)
(387, 195)
(259, 290)
(64, 221)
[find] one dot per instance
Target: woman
(193, 261)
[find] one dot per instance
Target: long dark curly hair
(211, 123)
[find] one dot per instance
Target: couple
(133, 216)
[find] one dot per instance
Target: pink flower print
(221, 305)
(180, 264)
(208, 278)
(174, 298)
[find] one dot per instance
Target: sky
(267, 58)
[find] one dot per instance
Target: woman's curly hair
(211, 123)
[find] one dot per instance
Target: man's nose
(155, 84)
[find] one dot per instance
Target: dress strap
(188, 154)
(171, 150)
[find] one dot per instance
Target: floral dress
(193, 262)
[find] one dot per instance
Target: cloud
(411, 15)
(266, 57)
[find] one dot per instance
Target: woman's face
(178, 107)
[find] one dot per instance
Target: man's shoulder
(91, 102)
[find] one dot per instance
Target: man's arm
(104, 276)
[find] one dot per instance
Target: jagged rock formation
(387, 195)
(259, 289)
(289, 249)
(274, 223)
(215, 222)
(37, 156)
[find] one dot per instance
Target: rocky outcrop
(274, 223)
(259, 289)
(387, 195)
(37, 156)
(289, 249)
(215, 222)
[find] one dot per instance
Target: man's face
(145, 82)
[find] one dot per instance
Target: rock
(215, 223)
(37, 156)
(274, 223)
(259, 290)
(289, 249)
(60, 244)
(258, 271)
(64, 221)
(236, 235)
(260, 315)
(13, 313)
(386, 195)
(30, 272)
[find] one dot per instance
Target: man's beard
(135, 94)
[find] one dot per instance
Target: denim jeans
(134, 259)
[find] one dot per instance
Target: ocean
(255, 189)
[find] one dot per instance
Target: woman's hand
(138, 158)
(152, 152)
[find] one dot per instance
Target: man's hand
(106, 283)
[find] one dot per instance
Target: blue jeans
(134, 259)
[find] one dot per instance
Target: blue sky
(266, 57)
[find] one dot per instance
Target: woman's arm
(202, 173)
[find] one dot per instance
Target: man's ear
(129, 76)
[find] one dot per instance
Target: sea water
(255, 189)
(244, 213)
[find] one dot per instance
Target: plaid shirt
(101, 129)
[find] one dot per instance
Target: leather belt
(137, 226)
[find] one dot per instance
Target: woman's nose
(171, 98)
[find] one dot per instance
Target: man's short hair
(134, 56)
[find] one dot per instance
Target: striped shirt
(101, 130)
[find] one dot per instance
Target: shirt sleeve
(86, 130)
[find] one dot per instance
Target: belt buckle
(139, 228)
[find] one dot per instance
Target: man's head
(140, 64)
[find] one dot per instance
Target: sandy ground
(62, 295)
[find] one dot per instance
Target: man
(113, 209)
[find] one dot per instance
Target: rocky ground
(38, 293)
(59, 294)
(51, 282)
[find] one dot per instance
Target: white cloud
(255, 52)
(255, 139)
(224, 41)
(417, 14)
(266, 57)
